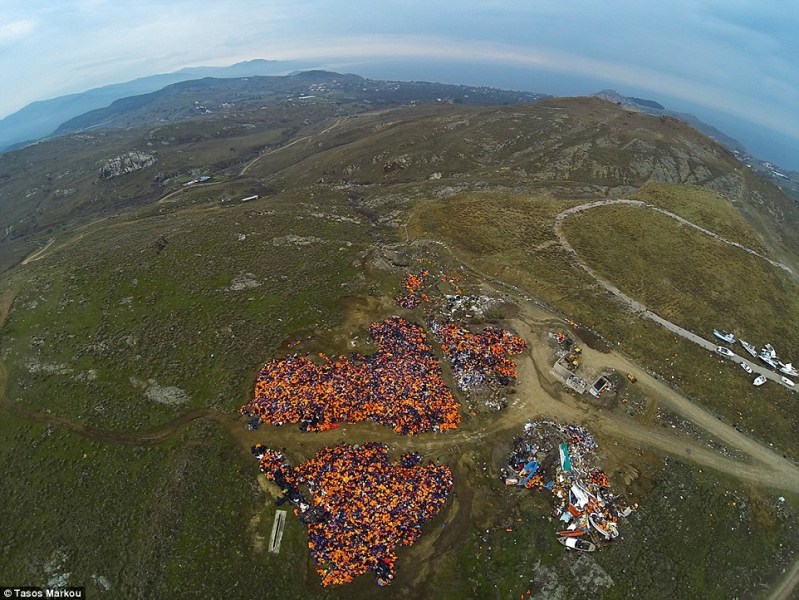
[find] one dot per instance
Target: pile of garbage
(459, 306)
(358, 506)
(478, 358)
(413, 286)
(560, 459)
(400, 386)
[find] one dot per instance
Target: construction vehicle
(632, 378)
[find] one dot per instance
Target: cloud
(16, 30)
(736, 56)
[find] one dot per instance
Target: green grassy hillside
(131, 341)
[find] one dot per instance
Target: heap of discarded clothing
(560, 458)
(400, 386)
(479, 358)
(413, 286)
(359, 506)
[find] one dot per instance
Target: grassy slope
(116, 304)
(692, 532)
(704, 208)
(490, 233)
(165, 521)
(194, 496)
(703, 283)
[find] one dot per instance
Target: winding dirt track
(638, 203)
(539, 396)
(640, 309)
(767, 468)
(36, 255)
(281, 148)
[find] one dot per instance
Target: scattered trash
(478, 358)
(459, 306)
(577, 544)
(413, 295)
(559, 458)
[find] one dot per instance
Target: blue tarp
(531, 468)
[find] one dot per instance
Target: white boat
(746, 367)
(577, 544)
(724, 336)
(766, 358)
(580, 496)
(759, 380)
(787, 381)
(769, 349)
(789, 369)
(609, 529)
(724, 351)
(748, 347)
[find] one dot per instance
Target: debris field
(479, 358)
(561, 459)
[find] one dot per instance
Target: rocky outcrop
(126, 163)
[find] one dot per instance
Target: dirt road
(640, 309)
(37, 254)
(539, 396)
(560, 217)
(766, 467)
(281, 148)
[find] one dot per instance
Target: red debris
(479, 357)
(413, 285)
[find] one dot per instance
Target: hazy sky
(739, 57)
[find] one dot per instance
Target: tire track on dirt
(770, 469)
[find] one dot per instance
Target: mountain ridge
(45, 118)
(41, 118)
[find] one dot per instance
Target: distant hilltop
(786, 180)
(40, 119)
(139, 100)
(628, 101)
(655, 108)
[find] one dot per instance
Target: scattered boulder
(244, 281)
(165, 394)
(295, 240)
(134, 160)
